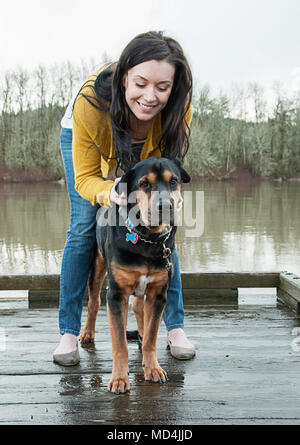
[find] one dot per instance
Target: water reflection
(247, 226)
(250, 226)
(78, 385)
(33, 226)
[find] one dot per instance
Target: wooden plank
(203, 296)
(290, 283)
(210, 288)
(210, 296)
(289, 290)
(289, 300)
(211, 293)
(43, 295)
(226, 280)
(29, 282)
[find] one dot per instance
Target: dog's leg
(153, 310)
(138, 309)
(117, 310)
(95, 282)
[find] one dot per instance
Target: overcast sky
(226, 41)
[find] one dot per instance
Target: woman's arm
(91, 130)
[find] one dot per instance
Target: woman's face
(148, 87)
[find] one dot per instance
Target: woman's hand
(115, 197)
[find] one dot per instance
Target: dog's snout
(165, 204)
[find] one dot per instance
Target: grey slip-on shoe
(68, 359)
(181, 353)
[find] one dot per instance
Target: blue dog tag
(133, 237)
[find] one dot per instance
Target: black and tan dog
(135, 249)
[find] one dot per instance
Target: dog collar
(135, 234)
(138, 235)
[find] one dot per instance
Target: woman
(125, 112)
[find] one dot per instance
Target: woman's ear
(185, 177)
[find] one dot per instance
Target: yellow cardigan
(91, 129)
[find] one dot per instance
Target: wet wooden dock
(246, 369)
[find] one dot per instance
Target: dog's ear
(125, 179)
(185, 177)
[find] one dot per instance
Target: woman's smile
(146, 107)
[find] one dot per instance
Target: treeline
(31, 107)
(243, 130)
(229, 131)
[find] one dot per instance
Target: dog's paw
(155, 374)
(87, 337)
(119, 385)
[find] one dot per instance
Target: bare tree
(21, 79)
(41, 78)
(6, 114)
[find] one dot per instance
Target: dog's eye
(173, 181)
(145, 184)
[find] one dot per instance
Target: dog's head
(153, 189)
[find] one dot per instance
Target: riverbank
(39, 174)
(32, 174)
(241, 174)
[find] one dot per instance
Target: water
(247, 226)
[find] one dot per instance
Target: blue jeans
(77, 256)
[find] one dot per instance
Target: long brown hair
(110, 95)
